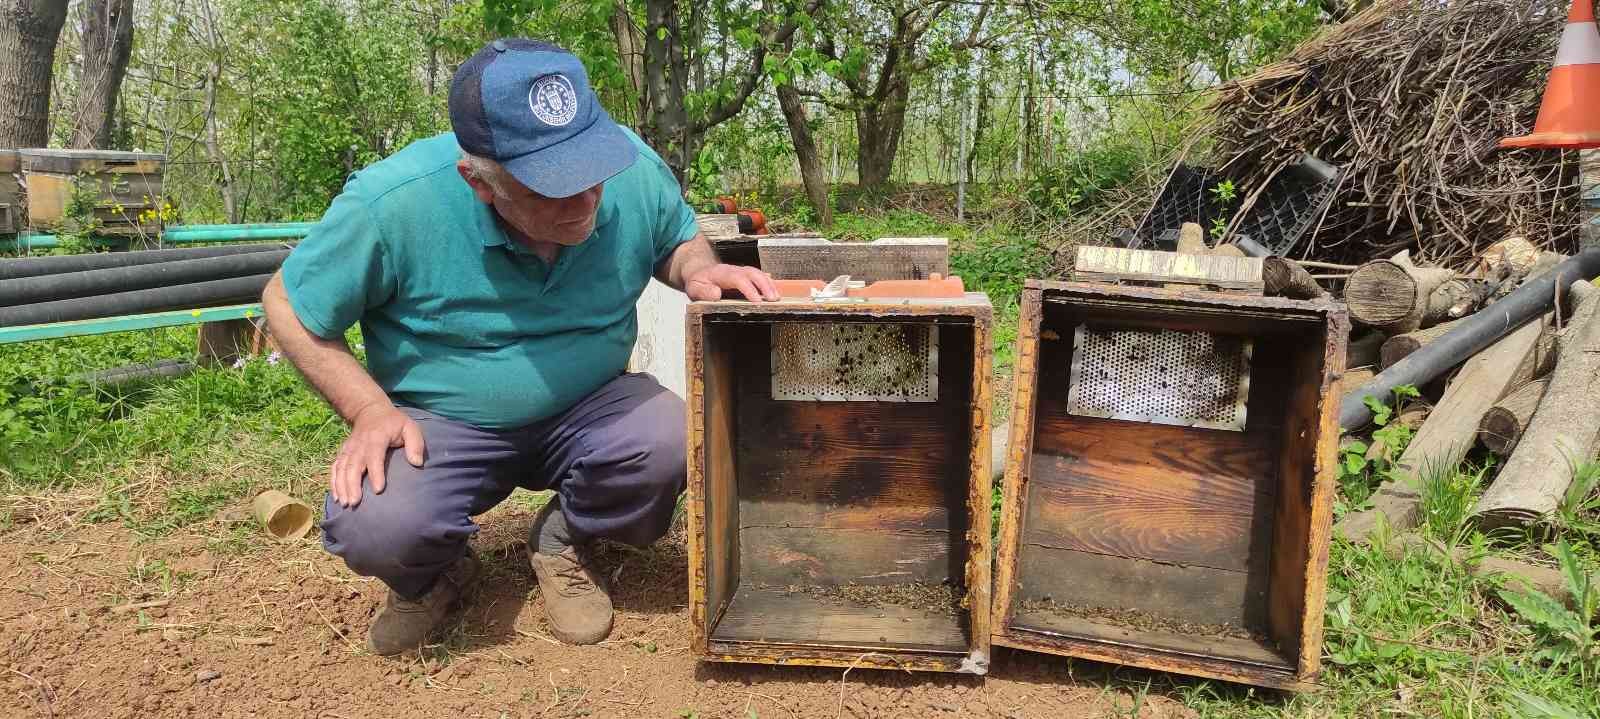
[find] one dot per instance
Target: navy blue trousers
(616, 459)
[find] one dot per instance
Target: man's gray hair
(489, 171)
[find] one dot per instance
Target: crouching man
(494, 272)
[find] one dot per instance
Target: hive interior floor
(775, 616)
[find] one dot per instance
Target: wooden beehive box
(1169, 480)
(10, 193)
(839, 486)
(125, 184)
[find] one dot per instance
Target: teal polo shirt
(460, 320)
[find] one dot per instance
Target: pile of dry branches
(1410, 97)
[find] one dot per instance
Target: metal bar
(78, 328)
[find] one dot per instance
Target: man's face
(564, 221)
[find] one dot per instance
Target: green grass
(162, 453)
(1413, 635)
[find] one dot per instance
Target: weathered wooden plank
(827, 465)
(1169, 494)
(788, 656)
(773, 616)
(721, 490)
(780, 556)
(951, 308)
(71, 162)
(718, 227)
(1117, 264)
(1239, 648)
(1198, 595)
(890, 258)
(701, 618)
(1025, 381)
(979, 549)
(1307, 474)
(1199, 664)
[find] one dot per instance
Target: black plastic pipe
(1251, 247)
(61, 264)
(1470, 336)
(47, 288)
(214, 293)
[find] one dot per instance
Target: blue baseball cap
(528, 106)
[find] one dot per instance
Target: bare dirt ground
(96, 621)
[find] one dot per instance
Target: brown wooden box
(839, 532)
(1195, 550)
(127, 183)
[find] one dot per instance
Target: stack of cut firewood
(1532, 395)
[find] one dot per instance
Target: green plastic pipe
(183, 235)
(36, 242)
(254, 226)
(186, 236)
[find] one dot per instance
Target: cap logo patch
(553, 100)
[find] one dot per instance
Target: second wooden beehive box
(1168, 487)
(839, 487)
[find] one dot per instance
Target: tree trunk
(1392, 295)
(1396, 348)
(1363, 351)
(28, 33)
(1030, 112)
(978, 123)
(213, 36)
(107, 27)
(1502, 426)
(878, 128)
(666, 122)
(805, 150)
(630, 51)
(1286, 278)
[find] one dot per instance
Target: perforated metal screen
(1194, 379)
(855, 361)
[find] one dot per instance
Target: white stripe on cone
(1580, 45)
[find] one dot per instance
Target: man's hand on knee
(377, 428)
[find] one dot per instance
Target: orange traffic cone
(1570, 114)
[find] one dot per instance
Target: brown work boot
(575, 599)
(406, 624)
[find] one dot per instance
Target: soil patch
(96, 620)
